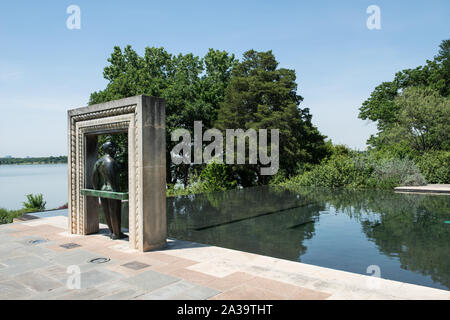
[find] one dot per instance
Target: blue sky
(45, 68)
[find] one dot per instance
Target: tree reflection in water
(282, 223)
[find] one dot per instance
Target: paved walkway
(35, 257)
(429, 188)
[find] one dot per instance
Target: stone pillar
(153, 170)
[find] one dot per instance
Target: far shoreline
(33, 160)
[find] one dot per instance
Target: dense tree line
(412, 113)
(223, 93)
(34, 160)
(412, 146)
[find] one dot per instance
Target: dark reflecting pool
(404, 234)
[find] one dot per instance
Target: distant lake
(16, 181)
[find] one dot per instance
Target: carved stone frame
(143, 119)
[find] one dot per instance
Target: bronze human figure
(106, 178)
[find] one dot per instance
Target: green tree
(381, 106)
(423, 120)
(262, 96)
(192, 86)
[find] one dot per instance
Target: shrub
(7, 216)
(338, 171)
(216, 177)
(391, 172)
(35, 202)
(359, 171)
(435, 166)
(278, 178)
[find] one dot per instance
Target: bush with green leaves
(396, 172)
(359, 171)
(35, 202)
(7, 216)
(435, 166)
(216, 177)
(338, 171)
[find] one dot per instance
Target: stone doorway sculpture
(143, 119)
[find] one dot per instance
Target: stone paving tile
(163, 257)
(14, 253)
(118, 287)
(52, 294)
(74, 257)
(347, 294)
(55, 246)
(40, 251)
(22, 264)
(20, 227)
(37, 282)
(182, 297)
(118, 267)
(55, 272)
(287, 290)
(199, 254)
(230, 281)
(11, 289)
(41, 230)
(8, 248)
(150, 280)
(82, 294)
(246, 292)
(4, 237)
(22, 234)
(178, 290)
(94, 278)
(175, 262)
(5, 229)
(135, 265)
(113, 254)
(69, 245)
(125, 294)
(214, 269)
(202, 293)
(193, 276)
(169, 291)
(410, 291)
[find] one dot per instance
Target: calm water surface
(18, 180)
(404, 234)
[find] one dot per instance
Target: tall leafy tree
(381, 106)
(423, 123)
(262, 96)
(192, 86)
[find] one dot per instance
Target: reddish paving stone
(288, 291)
(162, 257)
(246, 292)
(192, 276)
(47, 229)
(20, 227)
(172, 266)
(230, 281)
(22, 234)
